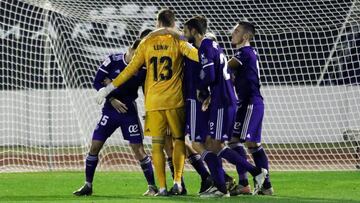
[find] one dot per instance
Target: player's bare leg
(138, 150)
(90, 166)
(261, 161)
(146, 166)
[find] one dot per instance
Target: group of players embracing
(198, 105)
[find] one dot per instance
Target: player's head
(144, 33)
(243, 31)
(131, 50)
(195, 26)
(165, 18)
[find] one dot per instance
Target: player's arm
(237, 60)
(116, 103)
(167, 31)
(135, 64)
(132, 68)
(188, 50)
(207, 73)
(102, 74)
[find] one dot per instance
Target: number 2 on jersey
(168, 65)
(223, 60)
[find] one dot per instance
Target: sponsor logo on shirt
(133, 128)
(211, 125)
(237, 125)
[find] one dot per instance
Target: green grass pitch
(128, 187)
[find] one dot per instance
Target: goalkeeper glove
(103, 92)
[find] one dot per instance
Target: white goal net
(50, 50)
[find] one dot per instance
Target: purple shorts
(196, 121)
(128, 122)
(248, 122)
(221, 122)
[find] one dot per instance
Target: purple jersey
(215, 74)
(111, 68)
(191, 77)
(247, 76)
(196, 119)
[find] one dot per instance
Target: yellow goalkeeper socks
(159, 160)
(178, 159)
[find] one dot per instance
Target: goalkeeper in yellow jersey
(164, 103)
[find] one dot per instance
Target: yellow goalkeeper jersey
(162, 56)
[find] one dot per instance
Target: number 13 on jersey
(162, 68)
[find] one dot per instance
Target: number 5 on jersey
(104, 120)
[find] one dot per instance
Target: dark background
(294, 40)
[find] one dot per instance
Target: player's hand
(206, 104)
(202, 95)
(118, 105)
(106, 81)
(103, 92)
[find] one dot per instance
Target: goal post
(50, 51)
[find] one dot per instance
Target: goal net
(50, 51)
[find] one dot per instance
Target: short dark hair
(135, 44)
(166, 17)
(249, 27)
(199, 23)
(144, 33)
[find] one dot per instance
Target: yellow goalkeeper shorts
(158, 122)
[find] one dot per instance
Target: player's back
(222, 89)
(163, 60)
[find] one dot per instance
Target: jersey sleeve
(133, 67)
(189, 51)
(207, 73)
(240, 57)
(102, 73)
